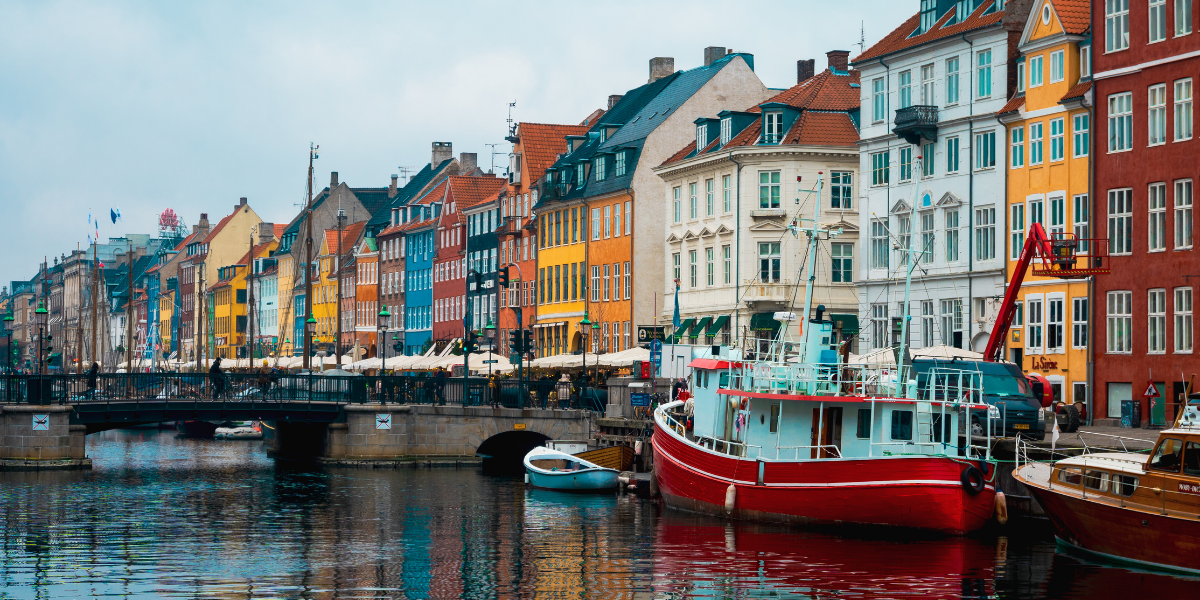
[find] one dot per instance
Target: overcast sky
(144, 106)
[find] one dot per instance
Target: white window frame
(1156, 21)
(1119, 322)
(1184, 325)
(1183, 17)
(1183, 201)
(1085, 60)
(1182, 100)
(1058, 67)
(1036, 138)
(1037, 71)
(1120, 122)
(952, 227)
(952, 154)
(1058, 139)
(1116, 25)
(1056, 322)
(878, 100)
(1156, 114)
(1120, 221)
(985, 233)
(983, 76)
(1156, 321)
(985, 150)
(1079, 323)
(1016, 146)
(1035, 324)
(905, 84)
(1081, 135)
(880, 168)
(1156, 222)
(952, 81)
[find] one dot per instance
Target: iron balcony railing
(915, 123)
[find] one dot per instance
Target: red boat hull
(917, 492)
(1123, 534)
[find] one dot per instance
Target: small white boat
(554, 470)
(241, 431)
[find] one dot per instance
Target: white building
(932, 88)
(738, 198)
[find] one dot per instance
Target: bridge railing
(234, 387)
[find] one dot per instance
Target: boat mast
(812, 265)
(912, 264)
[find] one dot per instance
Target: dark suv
(1004, 386)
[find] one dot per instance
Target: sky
(144, 106)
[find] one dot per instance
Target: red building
(1145, 165)
(449, 263)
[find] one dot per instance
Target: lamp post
(385, 318)
(308, 350)
(489, 333)
(8, 330)
(41, 316)
(584, 326)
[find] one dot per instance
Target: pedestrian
(440, 385)
(92, 375)
(494, 388)
(543, 390)
(264, 380)
(218, 378)
(679, 386)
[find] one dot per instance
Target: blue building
(419, 250)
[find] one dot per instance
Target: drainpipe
(970, 303)
(737, 245)
(1090, 395)
(887, 110)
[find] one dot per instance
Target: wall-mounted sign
(1040, 363)
(383, 421)
(519, 426)
(41, 422)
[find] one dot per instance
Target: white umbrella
(946, 352)
(367, 363)
(625, 358)
(400, 362)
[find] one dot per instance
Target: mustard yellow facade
(1049, 141)
(561, 277)
(324, 291)
(229, 311)
(166, 312)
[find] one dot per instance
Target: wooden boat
(554, 470)
(619, 458)
(1124, 506)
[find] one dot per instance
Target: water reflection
(167, 517)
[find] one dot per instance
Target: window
(952, 80)
(1183, 320)
(1057, 68)
(1120, 221)
(1080, 126)
(768, 262)
(952, 235)
(1183, 17)
(701, 138)
(617, 220)
(902, 424)
(927, 85)
(691, 201)
(619, 166)
(1156, 114)
(1158, 21)
(927, 154)
(1156, 321)
(879, 167)
(726, 193)
(904, 239)
(842, 262)
(678, 211)
(1035, 71)
(727, 259)
(1116, 25)
(674, 266)
(600, 168)
(905, 89)
(607, 222)
(628, 281)
(772, 127)
(878, 100)
(927, 236)
(1119, 311)
(1157, 196)
(863, 429)
(1080, 215)
(928, 338)
(709, 203)
(1055, 327)
(1035, 143)
(596, 279)
(1057, 139)
(985, 150)
(1079, 322)
(768, 189)
(580, 174)
(1021, 77)
(726, 130)
(1034, 325)
(1017, 150)
(906, 162)
(985, 233)
(952, 155)
(1183, 214)
(879, 317)
(984, 73)
(879, 245)
(710, 266)
(1120, 122)
(628, 218)
(929, 14)
(840, 189)
(608, 277)
(692, 269)
(1183, 109)
(1058, 218)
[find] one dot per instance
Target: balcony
(758, 291)
(916, 123)
(510, 225)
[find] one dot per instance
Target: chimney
(442, 152)
(266, 233)
(333, 182)
(839, 60)
(392, 186)
(613, 100)
(804, 70)
(241, 203)
(712, 54)
(467, 162)
(660, 67)
(202, 226)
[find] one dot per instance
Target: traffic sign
(1151, 390)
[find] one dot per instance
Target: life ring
(972, 480)
(745, 404)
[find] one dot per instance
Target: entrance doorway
(830, 433)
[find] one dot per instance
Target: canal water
(162, 517)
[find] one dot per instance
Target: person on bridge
(92, 374)
(264, 380)
(218, 378)
(439, 387)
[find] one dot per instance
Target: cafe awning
(849, 323)
(718, 325)
(764, 321)
(682, 329)
(698, 330)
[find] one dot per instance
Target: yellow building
(1048, 134)
(166, 312)
(561, 276)
(325, 284)
(229, 304)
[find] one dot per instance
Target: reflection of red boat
(694, 556)
(197, 429)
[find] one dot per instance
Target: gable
(900, 207)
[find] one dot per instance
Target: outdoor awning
(718, 325)
(763, 321)
(698, 330)
(849, 323)
(682, 329)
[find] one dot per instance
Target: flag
(1054, 438)
(114, 214)
(675, 319)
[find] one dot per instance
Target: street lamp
(41, 316)
(584, 325)
(385, 318)
(310, 324)
(8, 330)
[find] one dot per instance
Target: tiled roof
(1077, 92)
(815, 128)
(1012, 105)
(221, 225)
(683, 153)
(541, 144)
(1075, 15)
(825, 91)
(258, 251)
(901, 38)
(278, 229)
(469, 191)
(350, 235)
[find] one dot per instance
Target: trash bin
(38, 390)
(1131, 414)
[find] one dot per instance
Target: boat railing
(729, 447)
(817, 379)
(831, 448)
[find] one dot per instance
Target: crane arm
(1036, 242)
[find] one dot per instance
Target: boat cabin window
(902, 424)
(723, 380)
(864, 423)
(1191, 459)
(1168, 456)
(1070, 475)
(1095, 480)
(774, 418)
(1124, 485)
(941, 428)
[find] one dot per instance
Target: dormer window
(701, 137)
(619, 168)
(603, 134)
(963, 10)
(601, 170)
(580, 174)
(726, 130)
(928, 15)
(772, 127)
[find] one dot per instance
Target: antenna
(404, 171)
(862, 37)
(511, 130)
(494, 153)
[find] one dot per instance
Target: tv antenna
(494, 153)
(862, 37)
(404, 171)
(511, 130)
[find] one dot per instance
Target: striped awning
(718, 325)
(683, 328)
(701, 325)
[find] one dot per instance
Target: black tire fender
(973, 480)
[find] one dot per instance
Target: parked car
(1004, 387)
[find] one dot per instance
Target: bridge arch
(508, 446)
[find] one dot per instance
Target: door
(830, 433)
(1158, 406)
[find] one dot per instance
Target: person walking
(92, 376)
(218, 378)
(494, 389)
(439, 386)
(264, 380)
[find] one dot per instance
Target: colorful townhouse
(932, 197)
(734, 191)
(1048, 139)
(419, 248)
(266, 306)
(610, 166)
(478, 201)
(326, 306)
(466, 197)
(230, 303)
(536, 147)
(1146, 63)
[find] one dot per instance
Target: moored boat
(554, 470)
(1125, 506)
(242, 430)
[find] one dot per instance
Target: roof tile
(541, 144)
(1075, 15)
(902, 38)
